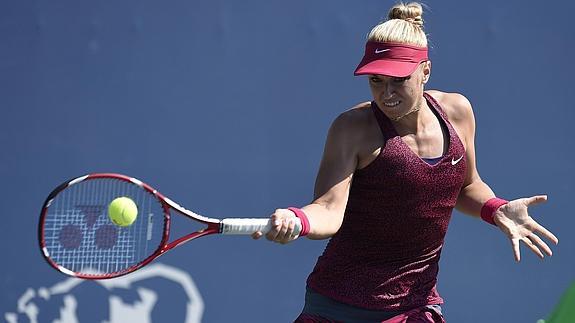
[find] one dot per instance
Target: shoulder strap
(383, 121)
(435, 105)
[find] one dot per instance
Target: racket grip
(249, 226)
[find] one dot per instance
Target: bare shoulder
(456, 106)
(354, 119)
(352, 130)
(357, 113)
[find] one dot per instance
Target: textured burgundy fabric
(308, 318)
(385, 255)
(418, 315)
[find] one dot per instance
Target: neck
(414, 120)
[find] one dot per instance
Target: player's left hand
(514, 220)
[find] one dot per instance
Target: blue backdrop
(224, 106)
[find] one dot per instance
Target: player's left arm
(512, 218)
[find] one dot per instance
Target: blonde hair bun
(411, 12)
(404, 26)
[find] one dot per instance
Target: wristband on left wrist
(490, 207)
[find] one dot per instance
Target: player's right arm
(339, 161)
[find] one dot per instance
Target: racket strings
(80, 237)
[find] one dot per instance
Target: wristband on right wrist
(488, 209)
(303, 219)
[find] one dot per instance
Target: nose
(388, 90)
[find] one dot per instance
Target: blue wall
(224, 106)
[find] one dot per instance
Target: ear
(426, 71)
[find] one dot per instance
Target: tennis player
(392, 171)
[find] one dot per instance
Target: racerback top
(386, 254)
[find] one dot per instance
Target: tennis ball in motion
(123, 211)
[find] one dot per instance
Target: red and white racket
(78, 238)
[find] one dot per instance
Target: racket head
(78, 238)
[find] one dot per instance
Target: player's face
(396, 96)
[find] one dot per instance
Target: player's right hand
(282, 230)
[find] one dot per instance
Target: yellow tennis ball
(123, 211)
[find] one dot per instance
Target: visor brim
(387, 68)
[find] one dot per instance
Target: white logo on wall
(155, 293)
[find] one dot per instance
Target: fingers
(290, 231)
(532, 246)
(283, 232)
(533, 242)
(538, 199)
(283, 226)
(516, 252)
(256, 235)
(540, 244)
(545, 233)
(528, 243)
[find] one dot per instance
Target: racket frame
(214, 226)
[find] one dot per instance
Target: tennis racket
(79, 239)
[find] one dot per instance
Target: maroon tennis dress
(385, 257)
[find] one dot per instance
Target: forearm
(324, 220)
(472, 198)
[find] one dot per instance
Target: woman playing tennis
(392, 172)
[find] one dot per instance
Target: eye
(400, 79)
(374, 79)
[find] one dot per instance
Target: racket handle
(249, 226)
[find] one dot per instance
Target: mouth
(391, 104)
